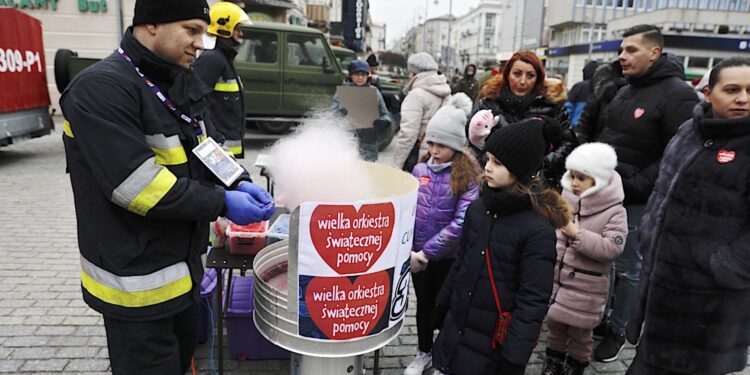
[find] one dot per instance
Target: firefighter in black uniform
(143, 199)
(216, 68)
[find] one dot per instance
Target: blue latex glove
(262, 198)
(258, 193)
(242, 209)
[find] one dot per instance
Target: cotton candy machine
(302, 265)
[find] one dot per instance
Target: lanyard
(163, 98)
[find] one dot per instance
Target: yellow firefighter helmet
(224, 17)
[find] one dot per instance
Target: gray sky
(400, 15)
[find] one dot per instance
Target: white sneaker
(437, 372)
(418, 364)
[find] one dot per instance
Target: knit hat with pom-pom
(421, 62)
(447, 125)
(521, 146)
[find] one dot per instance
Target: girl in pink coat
(586, 248)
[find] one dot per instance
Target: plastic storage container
(245, 342)
(208, 288)
(279, 230)
(247, 239)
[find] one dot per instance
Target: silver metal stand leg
(307, 365)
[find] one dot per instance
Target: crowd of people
(619, 210)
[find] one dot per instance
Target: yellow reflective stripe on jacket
(144, 188)
(168, 150)
(227, 86)
(67, 130)
(234, 146)
(136, 291)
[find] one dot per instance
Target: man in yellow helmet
(216, 69)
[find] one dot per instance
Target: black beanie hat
(167, 11)
(521, 146)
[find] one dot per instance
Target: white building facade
(376, 37)
(522, 24)
(701, 32)
(478, 33)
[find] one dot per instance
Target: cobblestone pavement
(45, 328)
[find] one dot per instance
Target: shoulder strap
(492, 280)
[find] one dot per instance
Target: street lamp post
(449, 53)
(424, 25)
(515, 23)
(591, 32)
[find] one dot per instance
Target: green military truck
(287, 72)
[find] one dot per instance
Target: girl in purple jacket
(448, 178)
(586, 248)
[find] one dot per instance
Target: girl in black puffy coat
(506, 258)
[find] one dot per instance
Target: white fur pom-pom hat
(596, 160)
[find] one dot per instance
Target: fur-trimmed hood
(607, 80)
(554, 91)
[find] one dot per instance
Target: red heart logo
(424, 180)
(725, 156)
(342, 309)
(350, 240)
(638, 113)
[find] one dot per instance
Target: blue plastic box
(245, 342)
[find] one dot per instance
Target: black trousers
(427, 286)
(368, 143)
(159, 347)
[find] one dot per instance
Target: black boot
(555, 363)
(573, 367)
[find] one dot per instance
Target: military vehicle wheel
(274, 127)
(385, 136)
(62, 68)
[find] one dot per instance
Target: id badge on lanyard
(218, 161)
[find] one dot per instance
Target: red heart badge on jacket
(343, 308)
(725, 156)
(638, 113)
(424, 180)
(350, 240)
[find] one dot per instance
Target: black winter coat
(143, 200)
(522, 252)
(467, 84)
(582, 90)
(511, 111)
(606, 82)
(694, 298)
(216, 69)
(642, 118)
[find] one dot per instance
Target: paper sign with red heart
(343, 309)
(350, 241)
